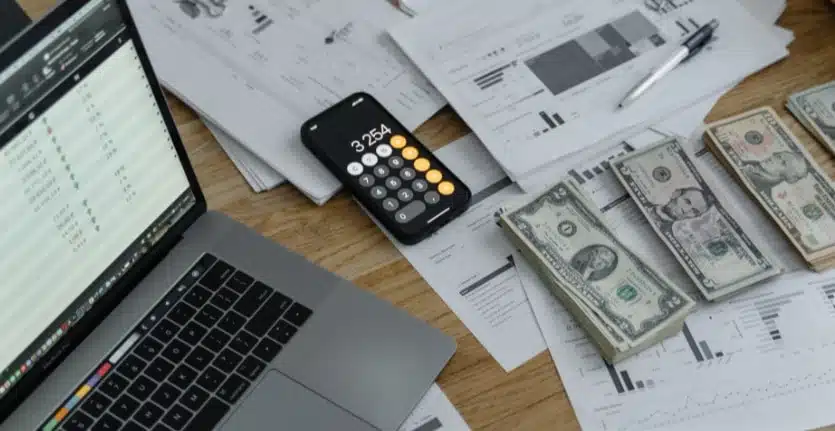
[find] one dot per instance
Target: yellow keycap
(446, 188)
(421, 165)
(410, 153)
(397, 141)
(434, 176)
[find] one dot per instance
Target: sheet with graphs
(537, 80)
(752, 362)
(435, 413)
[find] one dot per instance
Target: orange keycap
(421, 165)
(434, 176)
(446, 188)
(397, 141)
(410, 153)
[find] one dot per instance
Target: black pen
(688, 49)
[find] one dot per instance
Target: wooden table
(339, 237)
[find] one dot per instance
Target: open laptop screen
(89, 178)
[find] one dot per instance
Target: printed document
(435, 413)
(537, 80)
(259, 69)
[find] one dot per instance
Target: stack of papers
(539, 80)
(258, 70)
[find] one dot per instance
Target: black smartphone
(388, 170)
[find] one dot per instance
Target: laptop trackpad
(279, 403)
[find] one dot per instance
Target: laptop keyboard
(190, 359)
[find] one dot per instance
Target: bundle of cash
(624, 304)
(693, 222)
(775, 168)
(815, 109)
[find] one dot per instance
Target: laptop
(127, 305)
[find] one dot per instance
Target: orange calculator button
(434, 176)
(410, 153)
(421, 165)
(446, 188)
(397, 142)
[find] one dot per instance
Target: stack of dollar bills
(698, 228)
(772, 164)
(815, 109)
(623, 303)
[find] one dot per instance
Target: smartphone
(395, 177)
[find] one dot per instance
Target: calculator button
(409, 212)
(446, 188)
(378, 192)
(383, 150)
(367, 180)
(408, 174)
(391, 204)
(405, 195)
(393, 183)
(355, 168)
(396, 162)
(432, 198)
(420, 186)
(422, 165)
(434, 176)
(369, 160)
(397, 141)
(410, 153)
(381, 171)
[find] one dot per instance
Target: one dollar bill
(815, 109)
(689, 217)
(782, 176)
(617, 296)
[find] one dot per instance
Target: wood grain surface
(339, 237)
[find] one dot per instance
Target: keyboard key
(251, 368)
(165, 330)
(142, 388)
(283, 332)
(267, 349)
(253, 299)
(201, 267)
(224, 298)
(176, 351)
(200, 358)
(182, 377)
(107, 423)
(209, 415)
(231, 322)
(132, 426)
(211, 379)
(79, 421)
(131, 366)
(233, 388)
(197, 296)
(148, 414)
(182, 313)
(159, 369)
(227, 361)
(216, 340)
(298, 314)
(114, 385)
(124, 407)
(239, 282)
(148, 349)
(243, 342)
(217, 275)
(166, 394)
(96, 404)
(194, 398)
(266, 317)
(192, 333)
(208, 315)
(177, 417)
(160, 427)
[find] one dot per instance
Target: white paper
(505, 69)
(746, 363)
(259, 84)
(260, 176)
(435, 412)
